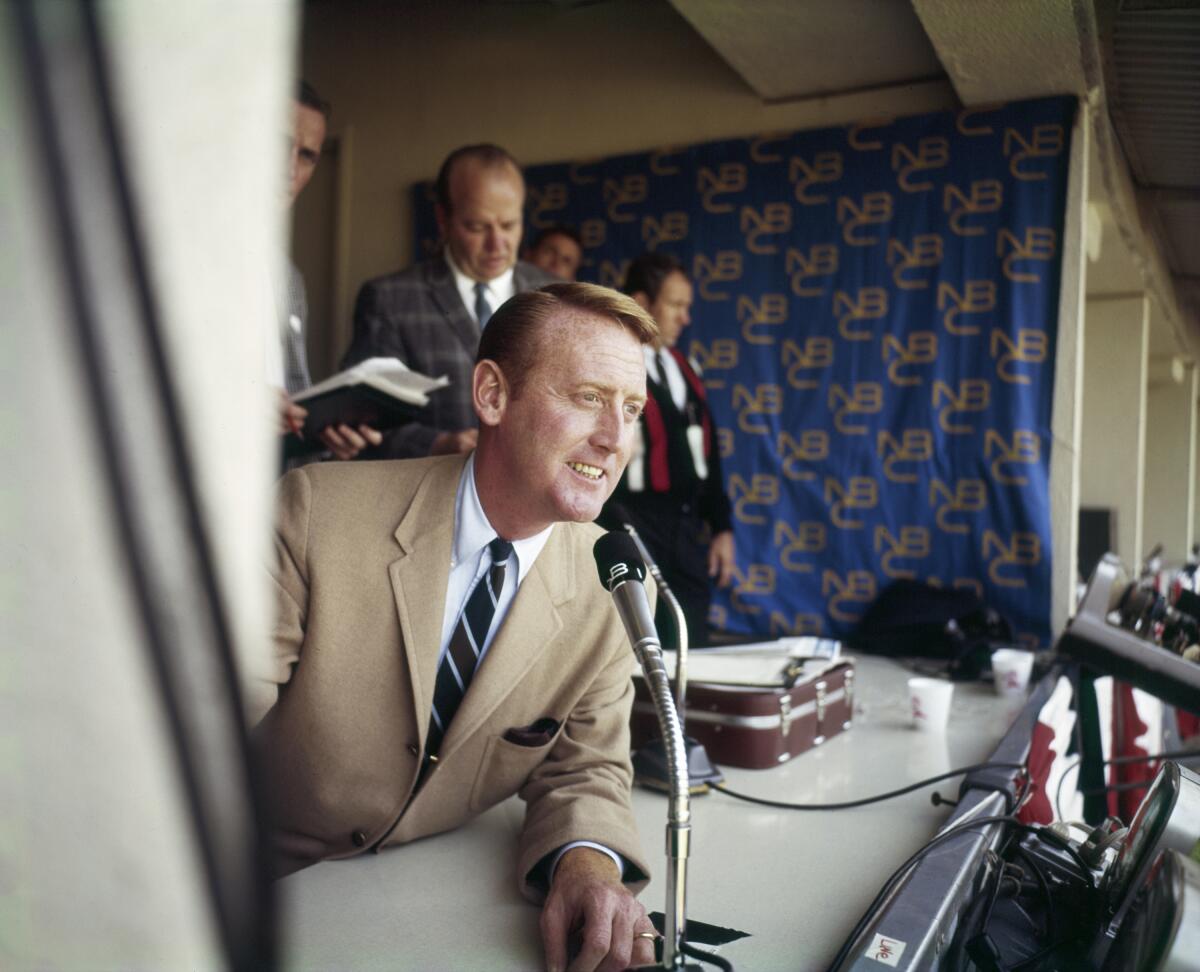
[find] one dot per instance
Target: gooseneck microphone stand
(648, 762)
(665, 592)
(622, 573)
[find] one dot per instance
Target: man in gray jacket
(431, 314)
(289, 368)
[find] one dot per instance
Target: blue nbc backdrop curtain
(876, 313)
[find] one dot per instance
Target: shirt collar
(499, 288)
(473, 532)
(651, 355)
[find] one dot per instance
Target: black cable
(997, 883)
(1051, 920)
(1117, 788)
(997, 858)
(709, 957)
(1169, 754)
(1063, 844)
(971, 919)
(1058, 814)
(865, 800)
(995, 892)
(888, 885)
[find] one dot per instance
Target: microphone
(650, 761)
(623, 574)
(620, 515)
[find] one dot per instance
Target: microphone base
(651, 770)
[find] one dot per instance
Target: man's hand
(720, 558)
(447, 443)
(588, 900)
(291, 416)
(346, 443)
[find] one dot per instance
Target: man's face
(483, 227)
(565, 438)
(557, 254)
(672, 308)
(308, 135)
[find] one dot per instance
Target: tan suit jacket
(363, 561)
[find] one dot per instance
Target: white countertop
(796, 881)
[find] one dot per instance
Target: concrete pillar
(1170, 486)
(1068, 385)
(1113, 443)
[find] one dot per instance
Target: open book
(379, 392)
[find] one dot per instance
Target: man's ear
(640, 298)
(440, 213)
(489, 392)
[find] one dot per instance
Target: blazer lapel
(522, 280)
(444, 292)
(532, 623)
(419, 576)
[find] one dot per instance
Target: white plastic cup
(1010, 671)
(929, 702)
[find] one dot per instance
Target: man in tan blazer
(370, 583)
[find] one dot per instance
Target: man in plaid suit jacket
(431, 315)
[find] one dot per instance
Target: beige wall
(1066, 422)
(1170, 465)
(415, 80)
(1113, 450)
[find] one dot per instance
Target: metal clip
(819, 730)
(785, 714)
(848, 687)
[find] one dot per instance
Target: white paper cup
(929, 702)
(1010, 670)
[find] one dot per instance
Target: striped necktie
(458, 666)
(483, 309)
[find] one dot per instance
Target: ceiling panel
(786, 49)
(1152, 81)
(1154, 92)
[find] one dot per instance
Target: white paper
(389, 375)
(759, 663)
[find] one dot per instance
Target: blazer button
(359, 838)
(412, 750)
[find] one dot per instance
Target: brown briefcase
(759, 726)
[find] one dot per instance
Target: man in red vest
(672, 489)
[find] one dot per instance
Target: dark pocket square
(538, 734)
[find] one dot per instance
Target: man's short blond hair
(514, 333)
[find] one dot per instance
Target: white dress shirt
(659, 361)
(273, 336)
(498, 289)
(468, 563)
(472, 534)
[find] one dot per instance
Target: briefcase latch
(848, 688)
(821, 686)
(785, 714)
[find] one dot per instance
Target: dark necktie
(457, 668)
(483, 310)
(662, 368)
